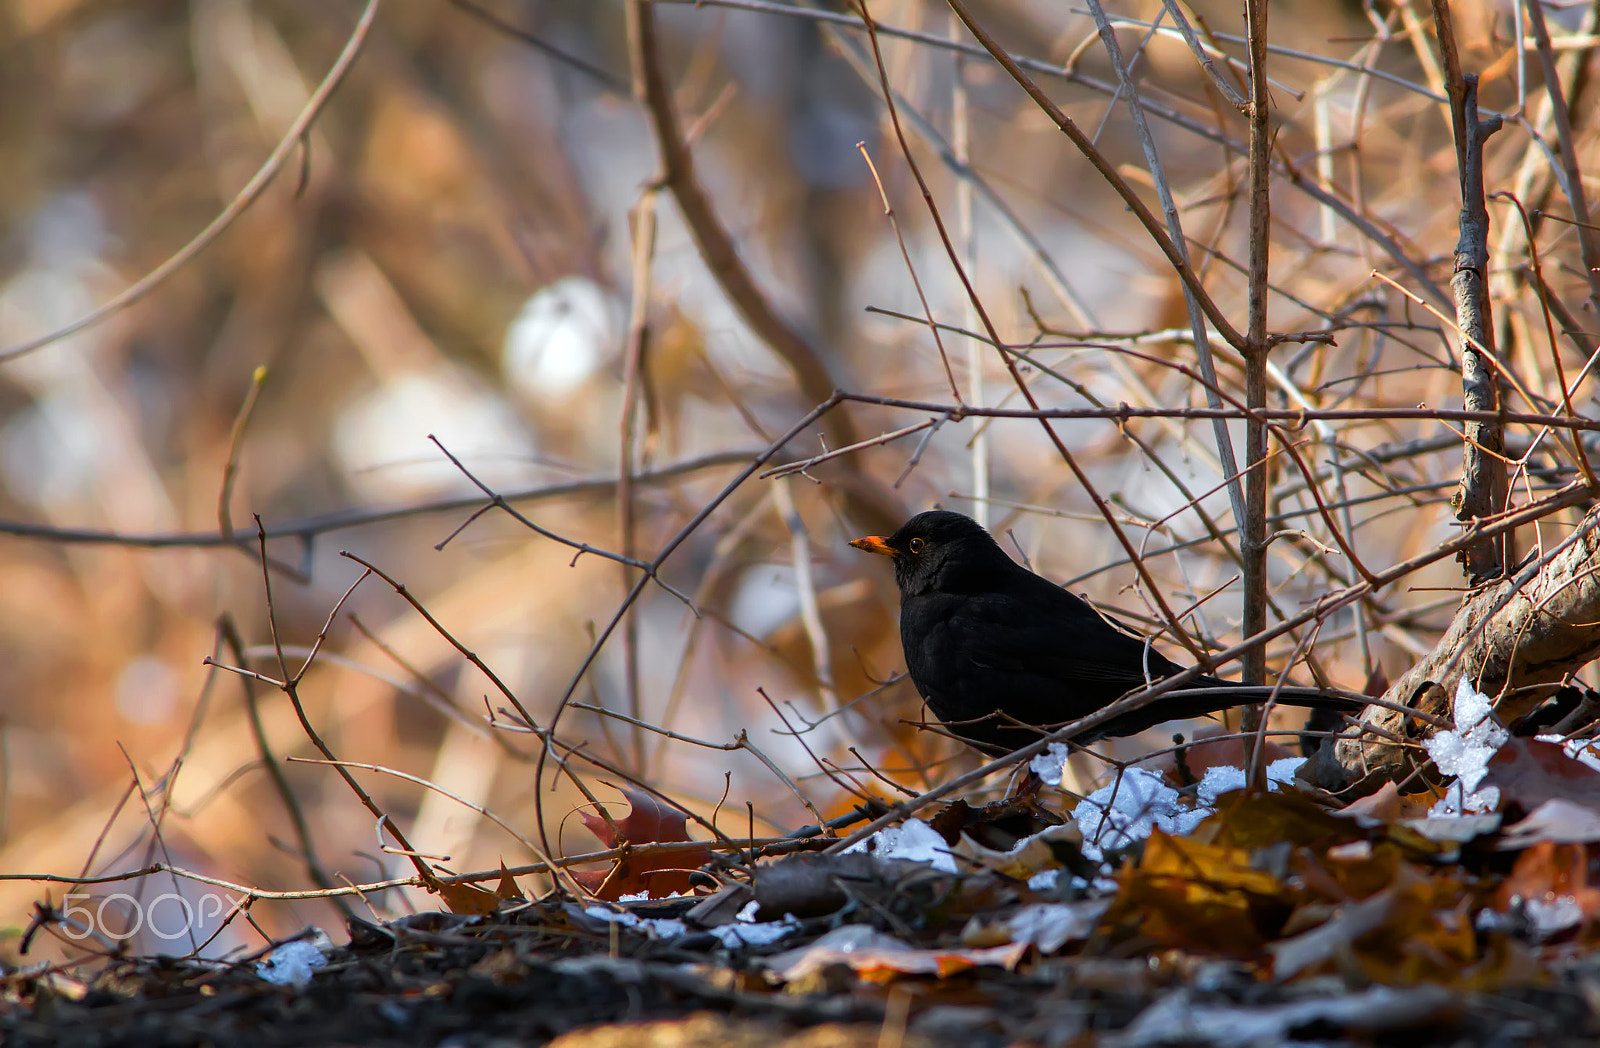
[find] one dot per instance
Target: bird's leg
(1180, 760)
(1025, 785)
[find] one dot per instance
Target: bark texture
(1518, 639)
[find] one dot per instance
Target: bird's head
(941, 551)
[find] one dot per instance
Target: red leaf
(648, 822)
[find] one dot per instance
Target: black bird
(998, 652)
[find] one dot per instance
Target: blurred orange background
(453, 251)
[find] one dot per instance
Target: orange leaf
(1247, 820)
(1550, 873)
(507, 889)
(468, 898)
(1200, 896)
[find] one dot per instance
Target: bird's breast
(943, 651)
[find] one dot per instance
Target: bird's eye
(916, 545)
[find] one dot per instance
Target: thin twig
(288, 143)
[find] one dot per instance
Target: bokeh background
(454, 250)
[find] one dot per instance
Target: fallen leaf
(507, 888)
(878, 957)
(1334, 937)
(1177, 1018)
(1450, 830)
(1395, 922)
(1382, 806)
(648, 822)
(1246, 820)
(814, 885)
(469, 898)
(1049, 926)
(996, 826)
(1388, 804)
(1529, 772)
(1550, 881)
(1557, 819)
(1055, 848)
(1187, 893)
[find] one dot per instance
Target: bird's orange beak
(874, 544)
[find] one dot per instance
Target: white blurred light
(68, 230)
(79, 442)
(381, 442)
(565, 331)
(765, 599)
(146, 690)
(51, 452)
(44, 298)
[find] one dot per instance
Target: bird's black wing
(1043, 656)
(1029, 652)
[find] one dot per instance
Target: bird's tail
(1208, 695)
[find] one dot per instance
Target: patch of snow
(754, 933)
(1045, 881)
(1554, 914)
(291, 964)
(1125, 812)
(1224, 778)
(912, 839)
(655, 927)
(1051, 764)
(1464, 752)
